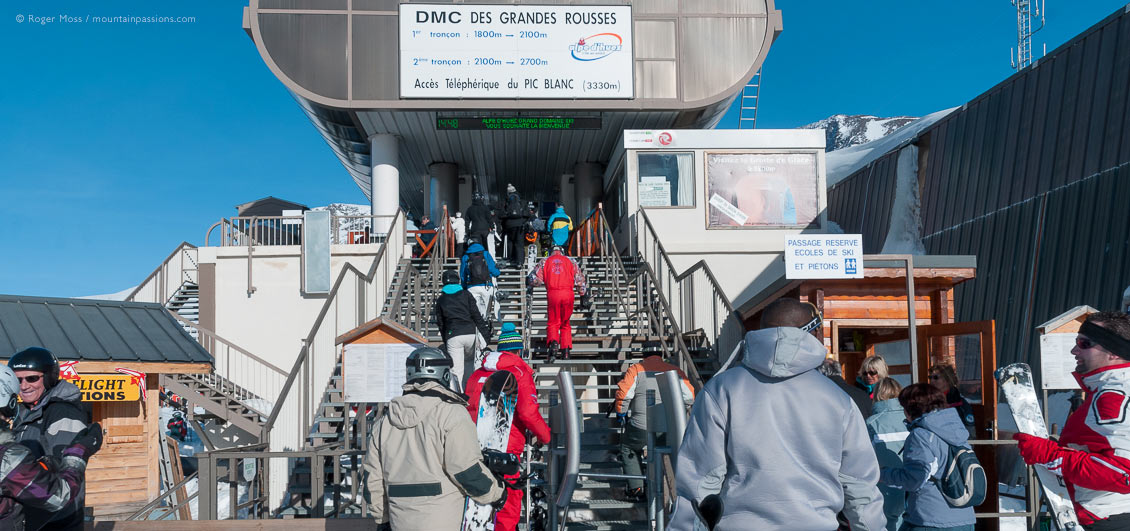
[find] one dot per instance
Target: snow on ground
(1013, 505)
(844, 162)
(261, 405)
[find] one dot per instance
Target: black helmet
(37, 359)
(450, 277)
(429, 363)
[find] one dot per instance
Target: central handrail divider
(611, 257)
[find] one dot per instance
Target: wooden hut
(115, 352)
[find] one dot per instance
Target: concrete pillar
(384, 185)
(444, 189)
(588, 180)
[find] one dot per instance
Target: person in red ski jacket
(1093, 452)
(526, 418)
(559, 274)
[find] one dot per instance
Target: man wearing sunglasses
(1093, 452)
(49, 417)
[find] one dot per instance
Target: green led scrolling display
(454, 123)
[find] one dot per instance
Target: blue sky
(118, 141)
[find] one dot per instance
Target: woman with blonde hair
(887, 428)
(874, 368)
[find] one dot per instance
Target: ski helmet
(429, 363)
(9, 391)
(450, 277)
(37, 359)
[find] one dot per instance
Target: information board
(516, 51)
(824, 256)
(655, 191)
(375, 373)
(1056, 361)
(454, 123)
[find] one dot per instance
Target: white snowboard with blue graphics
(497, 401)
(1016, 382)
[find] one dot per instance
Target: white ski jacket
(424, 459)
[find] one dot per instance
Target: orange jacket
(629, 386)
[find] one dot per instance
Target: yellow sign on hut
(108, 388)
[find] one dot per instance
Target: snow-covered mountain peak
(846, 130)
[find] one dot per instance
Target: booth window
(666, 179)
(761, 190)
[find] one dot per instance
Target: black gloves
(86, 442)
(586, 301)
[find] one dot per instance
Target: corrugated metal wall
(1033, 177)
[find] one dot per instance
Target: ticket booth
(115, 352)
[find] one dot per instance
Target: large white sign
(515, 51)
(375, 373)
(1056, 361)
(824, 256)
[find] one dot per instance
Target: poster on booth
(754, 190)
(824, 256)
(516, 51)
(375, 372)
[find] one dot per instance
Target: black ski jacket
(478, 218)
(514, 204)
(457, 314)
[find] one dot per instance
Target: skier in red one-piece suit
(526, 416)
(559, 274)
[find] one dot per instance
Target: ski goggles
(816, 319)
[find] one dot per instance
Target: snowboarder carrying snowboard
(1093, 452)
(423, 458)
(559, 274)
(526, 417)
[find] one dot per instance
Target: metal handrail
(156, 502)
(676, 280)
(611, 257)
(157, 276)
(201, 331)
(304, 353)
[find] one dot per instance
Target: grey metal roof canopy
(95, 330)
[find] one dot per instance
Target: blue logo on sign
(850, 266)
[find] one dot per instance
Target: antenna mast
(1026, 12)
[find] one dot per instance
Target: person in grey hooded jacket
(887, 428)
(780, 443)
(933, 427)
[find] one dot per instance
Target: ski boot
(554, 348)
(565, 353)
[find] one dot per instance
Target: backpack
(514, 208)
(477, 270)
(963, 482)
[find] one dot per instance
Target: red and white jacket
(526, 415)
(1098, 473)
